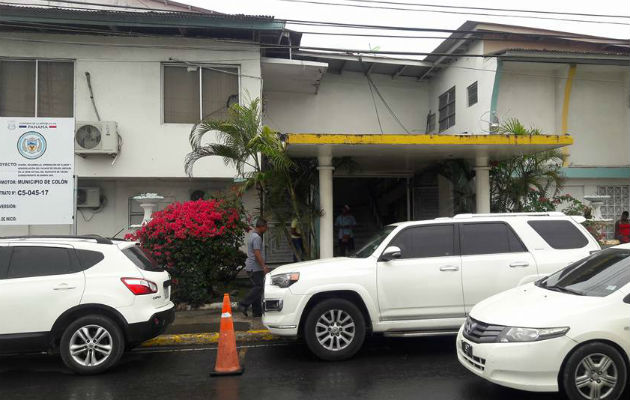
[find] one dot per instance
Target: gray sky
(302, 11)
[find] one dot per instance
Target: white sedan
(568, 332)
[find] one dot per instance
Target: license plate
(467, 349)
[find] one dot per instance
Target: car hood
(534, 307)
(306, 265)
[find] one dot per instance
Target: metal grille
(480, 332)
(612, 208)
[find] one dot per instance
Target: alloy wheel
(335, 330)
(596, 376)
(91, 345)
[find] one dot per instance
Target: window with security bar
(447, 109)
(612, 208)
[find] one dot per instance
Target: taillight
(139, 286)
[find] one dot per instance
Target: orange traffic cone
(227, 356)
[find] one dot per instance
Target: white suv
(86, 297)
(418, 278)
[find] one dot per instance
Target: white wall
(344, 104)
(126, 78)
(461, 74)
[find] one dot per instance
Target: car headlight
(515, 334)
(285, 280)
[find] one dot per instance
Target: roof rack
(98, 239)
(516, 214)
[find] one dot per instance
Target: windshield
(373, 243)
(597, 275)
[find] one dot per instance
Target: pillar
(482, 185)
(326, 223)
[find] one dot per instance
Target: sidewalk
(202, 327)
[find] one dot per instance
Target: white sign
(36, 171)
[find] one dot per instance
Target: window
(612, 208)
(425, 241)
(430, 122)
(142, 259)
(559, 234)
(5, 255)
(599, 275)
(35, 88)
(374, 242)
(88, 258)
(32, 261)
(447, 109)
(472, 94)
(136, 213)
(192, 93)
(489, 238)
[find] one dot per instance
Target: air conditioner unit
(99, 137)
(88, 197)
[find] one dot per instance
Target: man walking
(256, 269)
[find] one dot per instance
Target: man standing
(296, 239)
(256, 269)
(622, 228)
(345, 222)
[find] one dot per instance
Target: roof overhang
(296, 76)
(564, 57)
(410, 152)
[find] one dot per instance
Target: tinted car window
(141, 259)
(489, 238)
(598, 275)
(425, 241)
(31, 261)
(5, 253)
(88, 258)
(559, 234)
(374, 242)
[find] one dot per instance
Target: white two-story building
(153, 74)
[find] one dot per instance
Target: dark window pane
(425, 241)
(472, 94)
(484, 239)
(559, 234)
(181, 95)
(141, 259)
(39, 261)
(5, 253)
(55, 89)
(88, 258)
(516, 245)
(447, 109)
(17, 88)
(219, 91)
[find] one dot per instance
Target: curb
(207, 338)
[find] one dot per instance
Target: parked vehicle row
(534, 302)
(87, 298)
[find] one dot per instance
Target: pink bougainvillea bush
(198, 242)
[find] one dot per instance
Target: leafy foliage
(199, 243)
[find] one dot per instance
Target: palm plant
(253, 149)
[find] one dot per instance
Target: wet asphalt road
(423, 368)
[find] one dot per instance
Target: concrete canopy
(406, 153)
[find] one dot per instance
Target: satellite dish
(490, 121)
(88, 136)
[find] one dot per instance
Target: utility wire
(424, 10)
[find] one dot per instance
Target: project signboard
(36, 171)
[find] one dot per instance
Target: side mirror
(627, 299)
(391, 253)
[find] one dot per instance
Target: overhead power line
(485, 14)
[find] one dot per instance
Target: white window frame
(37, 61)
(200, 67)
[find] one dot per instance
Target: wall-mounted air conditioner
(99, 137)
(88, 197)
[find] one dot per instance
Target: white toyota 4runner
(87, 298)
(417, 278)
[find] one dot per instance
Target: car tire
(595, 367)
(334, 329)
(92, 344)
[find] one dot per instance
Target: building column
(326, 226)
(482, 185)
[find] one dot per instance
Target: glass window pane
(33, 261)
(559, 234)
(484, 239)
(181, 95)
(17, 88)
(55, 89)
(5, 253)
(425, 241)
(89, 258)
(219, 91)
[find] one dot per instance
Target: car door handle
(519, 264)
(64, 286)
(449, 268)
